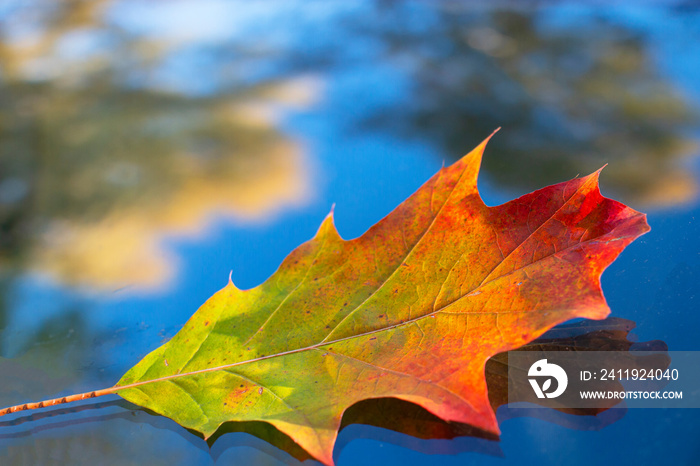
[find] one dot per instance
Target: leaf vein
(402, 374)
(408, 253)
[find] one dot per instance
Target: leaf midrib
(340, 340)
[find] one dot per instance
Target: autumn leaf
(412, 309)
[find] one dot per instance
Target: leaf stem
(60, 401)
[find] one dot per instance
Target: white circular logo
(543, 369)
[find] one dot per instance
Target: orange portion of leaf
(412, 309)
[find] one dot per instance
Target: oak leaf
(412, 309)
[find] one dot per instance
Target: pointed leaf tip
(327, 226)
(230, 283)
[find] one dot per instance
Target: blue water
(396, 92)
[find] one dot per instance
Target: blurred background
(149, 148)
